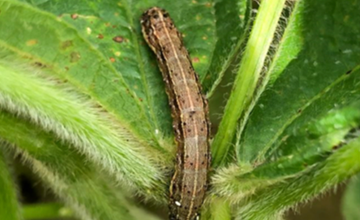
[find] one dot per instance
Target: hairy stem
(247, 77)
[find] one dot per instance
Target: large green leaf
(80, 184)
(75, 121)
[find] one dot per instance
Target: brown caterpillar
(189, 112)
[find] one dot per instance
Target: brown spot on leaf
(31, 42)
(66, 44)
(195, 59)
(74, 16)
(74, 57)
(100, 36)
(118, 39)
(39, 64)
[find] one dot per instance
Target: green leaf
(322, 78)
(58, 109)
(68, 56)
(273, 200)
(9, 206)
(80, 184)
(232, 18)
(351, 199)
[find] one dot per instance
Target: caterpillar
(189, 110)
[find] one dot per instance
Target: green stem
(247, 77)
(46, 211)
(220, 209)
(9, 206)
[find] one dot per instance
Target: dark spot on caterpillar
(195, 207)
(205, 155)
(187, 156)
(188, 192)
(189, 130)
(202, 129)
(191, 164)
(184, 123)
(156, 16)
(203, 162)
(185, 207)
